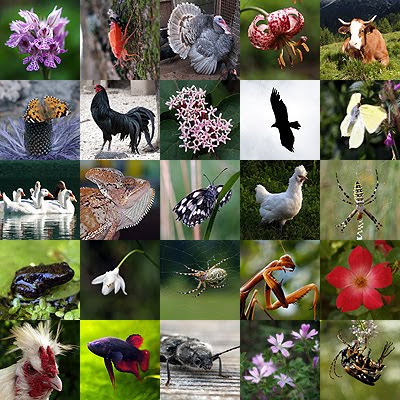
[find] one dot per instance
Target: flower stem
(253, 8)
(46, 73)
(140, 252)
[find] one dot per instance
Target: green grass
(95, 382)
(274, 176)
(336, 65)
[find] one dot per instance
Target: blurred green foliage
(274, 176)
(37, 252)
(68, 363)
(95, 382)
(259, 64)
(224, 96)
(335, 96)
(298, 365)
(13, 68)
(213, 303)
(142, 279)
(255, 255)
(348, 387)
(336, 65)
(384, 208)
(336, 253)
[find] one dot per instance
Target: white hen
(281, 207)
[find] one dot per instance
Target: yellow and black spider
(359, 203)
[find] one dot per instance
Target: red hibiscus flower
(383, 247)
(359, 283)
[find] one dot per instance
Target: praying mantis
(285, 263)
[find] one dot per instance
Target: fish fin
(110, 371)
(128, 366)
(144, 364)
(116, 356)
(135, 340)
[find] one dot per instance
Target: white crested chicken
(35, 375)
(282, 207)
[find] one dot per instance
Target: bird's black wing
(278, 107)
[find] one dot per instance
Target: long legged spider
(213, 276)
(359, 203)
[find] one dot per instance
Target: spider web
(176, 256)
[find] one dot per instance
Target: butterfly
(51, 108)
(197, 206)
(360, 117)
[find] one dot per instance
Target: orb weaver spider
(359, 203)
(213, 276)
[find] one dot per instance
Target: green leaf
(228, 185)
(356, 313)
(167, 89)
(393, 255)
(70, 288)
(170, 142)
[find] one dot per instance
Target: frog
(34, 281)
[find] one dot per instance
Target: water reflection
(44, 226)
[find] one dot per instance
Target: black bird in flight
(282, 121)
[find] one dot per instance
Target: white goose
(17, 194)
(35, 192)
(63, 205)
(28, 206)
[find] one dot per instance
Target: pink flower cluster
(199, 126)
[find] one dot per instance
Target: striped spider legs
(214, 276)
(359, 203)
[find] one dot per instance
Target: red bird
(35, 375)
(131, 124)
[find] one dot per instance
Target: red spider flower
(277, 34)
(383, 247)
(359, 283)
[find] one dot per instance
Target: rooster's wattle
(35, 375)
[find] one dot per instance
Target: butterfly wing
(356, 134)
(226, 198)
(55, 108)
(354, 100)
(372, 116)
(195, 207)
(35, 112)
(344, 126)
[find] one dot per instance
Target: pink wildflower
(279, 345)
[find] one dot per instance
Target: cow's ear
(369, 28)
(344, 30)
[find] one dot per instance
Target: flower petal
(349, 299)
(380, 276)
(285, 353)
(123, 285)
(98, 280)
(372, 299)
(340, 277)
(360, 261)
(107, 289)
(279, 338)
(272, 340)
(296, 335)
(288, 344)
(117, 285)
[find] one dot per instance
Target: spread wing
(279, 108)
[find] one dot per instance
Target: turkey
(206, 39)
(35, 375)
(281, 207)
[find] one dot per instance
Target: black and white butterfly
(197, 206)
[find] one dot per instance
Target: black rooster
(131, 124)
(282, 121)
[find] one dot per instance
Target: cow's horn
(344, 23)
(371, 20)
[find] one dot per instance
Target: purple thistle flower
(303, 333)
(65, 141)
(389, 141)
(42, 40)
(200, 128)
(284, 380)
(279, 345)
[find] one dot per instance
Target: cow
(365, 41)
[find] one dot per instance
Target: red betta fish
(125, 355)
